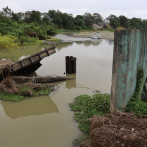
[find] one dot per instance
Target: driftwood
(39, 79)
(10, 86)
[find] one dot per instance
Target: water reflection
(64, 45)
(111, 42)
(96, 43)
(21, 52)
(85, 43)
(71, 83)
(31, 106)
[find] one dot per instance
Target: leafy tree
(97, 18)
(144, 23)
(136, 23)
(114, 21)
(7, 12)
(79, 21)
(15, 16)
(27, 16)
(88, 19)
(52, 15)
(124, 21)
(20, 15)
(35, 16)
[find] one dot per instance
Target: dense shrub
(7, 42)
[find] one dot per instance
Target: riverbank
(104, 34)
(52, 41)
(31, 43)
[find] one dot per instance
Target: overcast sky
(129, 8)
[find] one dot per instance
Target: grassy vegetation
(29, 41)
(7, 42)
(135, 104)
(21, 96)
(11, 97)
(86, 106)
(67, 31)
(53, 40)
(64, 30)
(110, 30)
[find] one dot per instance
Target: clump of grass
(29, 41)
(86, 106)
(7, 42)
(53, 39)
(20, 96)
(11, 97)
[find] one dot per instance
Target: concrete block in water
(130, 53)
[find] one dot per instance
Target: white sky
(129, 8)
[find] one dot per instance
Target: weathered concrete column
(130, 53)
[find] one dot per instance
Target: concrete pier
(130, 53)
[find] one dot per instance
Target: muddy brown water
(47, 121)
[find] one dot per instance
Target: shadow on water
(71, 83)
(31, 106)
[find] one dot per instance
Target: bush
(7, 42)
(28, 39)
(86, 106)
(48, 37)
(78, 28)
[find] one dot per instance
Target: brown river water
(46, 121)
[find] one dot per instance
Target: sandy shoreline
(104, 34)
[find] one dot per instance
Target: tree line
(123, 21)
(44, 24)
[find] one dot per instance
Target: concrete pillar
(130, 53)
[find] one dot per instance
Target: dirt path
(104, 34)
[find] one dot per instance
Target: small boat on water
(96, 36)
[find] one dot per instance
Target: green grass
(66, 31)
(110, 30)
(86, 106)
(11, 97)
(20, 96)
(29, 41)
(53, 40)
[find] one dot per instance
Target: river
(46, 121)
